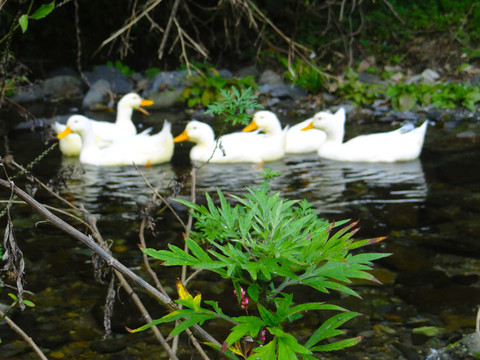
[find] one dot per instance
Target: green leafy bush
(204, 87)
(404, 97)
(308, 77)
(268, 247)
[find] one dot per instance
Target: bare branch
(27, 338)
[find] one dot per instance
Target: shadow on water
(430, 218)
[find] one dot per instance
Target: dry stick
(159, 196)
(79, 46)
(187, 234)
(129, 25)
(91, 224)
(27, 338)
(154, 275)
(478, 323)
(111, 261)
(172, 16)
(96, 233)
(146, 315)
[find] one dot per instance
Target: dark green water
(429, 209)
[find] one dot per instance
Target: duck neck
(335, 135)
(124, 115)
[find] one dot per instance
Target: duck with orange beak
(107, 132)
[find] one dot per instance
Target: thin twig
(111, 261)
(160, 196)
(22, 333)
(129, 25)
(172, 16)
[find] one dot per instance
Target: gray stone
(271, 78)
(283, 91)
(165, 99)
(247, 71)
(118, 81)
(99, 96)
(29, 93)
(163, 80)
(63, 87)
(430, 76)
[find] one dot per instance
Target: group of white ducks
(104, 143)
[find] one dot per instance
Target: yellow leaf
(182, 291)
(196, 301)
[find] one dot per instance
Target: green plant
(268, 247)
(304, 75)
(233, 104)
(361, 93)
(445, 95)
(204, 87)
(124, 69)
(40, 13)
(404, 97)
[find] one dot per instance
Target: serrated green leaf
(250, 325)
(23, 21)
(43, 11)
(289, 341)
(266, 315)
(329, 328)
(339, 345)
(265, 352)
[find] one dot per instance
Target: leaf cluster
(404, 97)
(269, 245)
(207, 86)
(233, 104)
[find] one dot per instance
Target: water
(429, 209)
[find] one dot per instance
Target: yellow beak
(145, 102)
(252, 126)
(182, 137)
(64, 133)
(308, 127)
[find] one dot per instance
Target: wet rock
(405, 258)
(430, 76)
(165, 99)
(98, 97)
(170, 80)
(368, 78)
(108, 346)
(410, 353)
(467, 348)
(63, 87)
(13, 348)
(270, 78)
(436, 299)
(118, 81)
(271, 84)
(25, 94)
(247, 71)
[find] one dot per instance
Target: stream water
(429, 209)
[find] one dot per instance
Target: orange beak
(308, 127)
(64, 133)
(252, 126)
(145, 102)
(182, 137)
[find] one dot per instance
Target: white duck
(297, 141)
(403, 144)
(237, 147)
(106, 132)
(272, 141)
(141, 149)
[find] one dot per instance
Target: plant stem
(22, 333)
